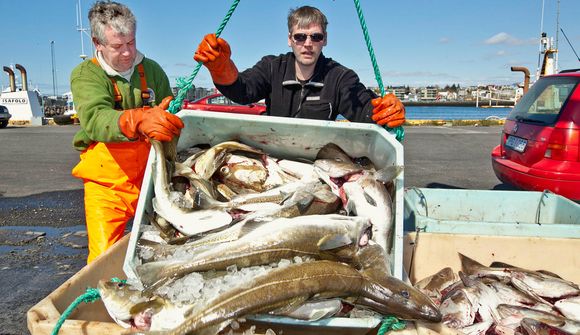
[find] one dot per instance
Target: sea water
(454, 113)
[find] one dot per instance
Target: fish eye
(120, 284)
(405, 294)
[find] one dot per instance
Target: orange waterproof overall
(112, 174)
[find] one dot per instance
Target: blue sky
(416, 42)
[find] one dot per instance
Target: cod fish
(368, 197)
(330, 236)
(536, 284)
(290, 285)
(535, 327)
(399, 298)
(569, 307)
(513, 315)
(434, 286)
(207, 163)
(127, 306)
(187, 221)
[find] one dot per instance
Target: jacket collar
(290, 75)
(112, 72)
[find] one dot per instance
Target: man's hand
(153, 122)
(215, 54)
(388, 110)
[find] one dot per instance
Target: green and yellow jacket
(94, 100)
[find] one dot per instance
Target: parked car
(540, 141)
(4, 117)
(219, 103)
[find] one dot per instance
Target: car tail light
(563, 144)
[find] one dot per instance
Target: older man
(119, 96)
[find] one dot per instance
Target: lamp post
(54, 81)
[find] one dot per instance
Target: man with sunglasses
(302, 83)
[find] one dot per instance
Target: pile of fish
(503, 299)
(237, 232)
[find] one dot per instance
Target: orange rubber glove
(152, 122)
(215, 54)
(388, 110)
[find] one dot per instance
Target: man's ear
(96, 42)
(289, 40)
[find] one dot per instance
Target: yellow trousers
(112, 174)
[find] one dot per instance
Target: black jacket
(332, 90)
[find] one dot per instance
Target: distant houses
(482, 95)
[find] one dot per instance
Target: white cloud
(505, 38)
(501, 53)
(444, 40)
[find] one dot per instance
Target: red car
(540, 141)
(219, 103)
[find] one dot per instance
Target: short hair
(305, 16)
(109, 13)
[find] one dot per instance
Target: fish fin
(151, 274)
(388, 173)
(304, 203)
(201, 200)
(156, 303)
(549, 274)
(330, 242)
(497, 264)
(470, 266)
(287, 305)
(370, 200)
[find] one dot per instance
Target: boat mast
(540, 47)
(81, 30)
(556, 65)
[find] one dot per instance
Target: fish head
(336, 168)
(404, 300)
(126, 304)
(356, 234)
(535, 327)
(333, 151)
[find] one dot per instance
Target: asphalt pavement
(42, 239)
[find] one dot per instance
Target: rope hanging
(91, 295)
(391, 323)
(185, 84)
(399, 131)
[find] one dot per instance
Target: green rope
(91, 295)
(391, 323)
(185, 84)
(399, 131)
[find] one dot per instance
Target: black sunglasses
(316, 37)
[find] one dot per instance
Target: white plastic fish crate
(495, 213)
(285, 138)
